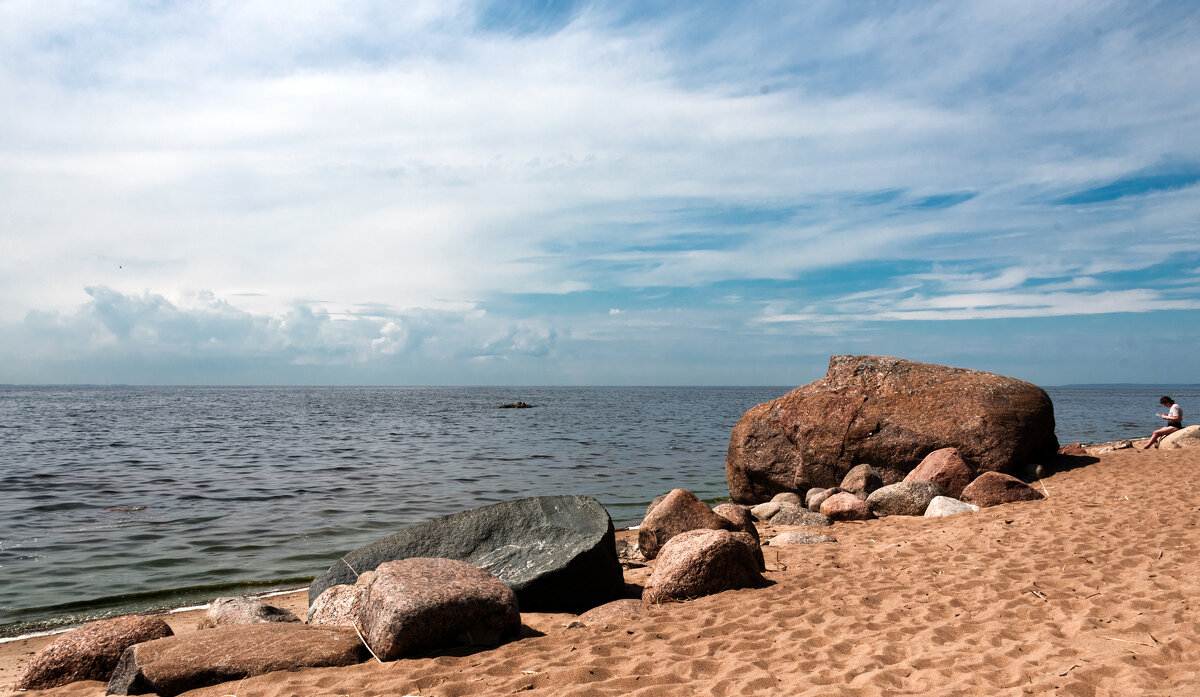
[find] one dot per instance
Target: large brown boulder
(994, 488)
(415, 605)
(90, 652)
(243, 611)
(945, 467)
(890, 412)
(231, 652)
(702, 562)
(679, 512)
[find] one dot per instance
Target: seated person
(1174, 418)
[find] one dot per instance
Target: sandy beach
(1092, 591)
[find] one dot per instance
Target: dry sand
(1094, 591)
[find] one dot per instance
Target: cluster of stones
(701, 550)
(141, 655)
(460, 580)
(698, 550)
(942, 484)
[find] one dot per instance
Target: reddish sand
(1093, 591)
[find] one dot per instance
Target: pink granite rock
(338, 605)
(817, 495)
(702, 562)
(846, 506)
(419, 604)
(90, 652)
(861, 480)
(791, 514)
(945, 467)
(231, 652)
(739, 516)
(994, 488)
(617, 611)
(679, 512)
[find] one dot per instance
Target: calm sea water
(119, 499)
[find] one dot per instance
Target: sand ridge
(1089, 592)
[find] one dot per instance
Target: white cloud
(393, 339)
(1045, 302)
(203, 327)
(354, 154)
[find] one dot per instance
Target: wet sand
(1093, 591)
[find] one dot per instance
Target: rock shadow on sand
(1066, 463)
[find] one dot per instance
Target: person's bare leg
(1154, 437)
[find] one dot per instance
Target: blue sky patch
(1134, 185)
(939, 201)
(877, 198)
(693, 242)
(527, 17)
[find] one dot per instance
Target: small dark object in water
(121, 509)
(515, 405)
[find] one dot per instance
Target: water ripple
(249, 485)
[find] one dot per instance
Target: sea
(133, 499)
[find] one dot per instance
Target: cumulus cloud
(402, 169)
(130, 328)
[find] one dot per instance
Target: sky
(453, 192)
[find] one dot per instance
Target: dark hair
(1165, 401)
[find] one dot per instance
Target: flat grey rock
(788, 497)
(792, 514)
(904, 498)
(555, 552)
(801, 537)
(243, 611)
